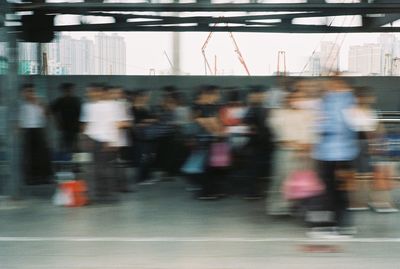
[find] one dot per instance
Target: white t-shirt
(102, 120)
(361, 120)
(121, 113)
(31, 116)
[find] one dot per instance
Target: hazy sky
(146, 50)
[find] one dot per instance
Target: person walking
(335, 152)
(32, 122)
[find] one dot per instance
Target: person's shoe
(383, 208)
(168, 179)
(253, 197)
(222, 195)
(358, 208)
(279, 212)
(349, 230)
(193, 189)
(126, 190)
(328, 233)
(388, 209)
(207, 197)
(147, 182)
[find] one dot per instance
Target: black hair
(141, 92)
(233, 96)
(67, 86)
(169, 89)
(96, 85)
(27, 86)
(210, 89)
(256, 89)
(362, 91)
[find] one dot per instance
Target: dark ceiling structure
(204, 16)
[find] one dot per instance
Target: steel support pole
(176, 50)
(11, 97)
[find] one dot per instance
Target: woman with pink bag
(294, 178)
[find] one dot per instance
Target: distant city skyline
(67, 55)
(149, 53)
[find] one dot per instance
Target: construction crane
(207, 65)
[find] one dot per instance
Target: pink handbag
(302, 184)
(220, 155)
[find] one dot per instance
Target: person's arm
(83, 118)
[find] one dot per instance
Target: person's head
(170, 102)
(116, 93)
(212, 94)
(364, 96)
(168, 90)
(337, 84)
(28, 92)
(67, 88)
(200, 96)
(167, 98)
(107, 93)
(179, 98)
(233, 97)
(256, 95)
(295, 99)
(310, 88)
(93, 91)
(142, 97)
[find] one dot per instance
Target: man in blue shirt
(336, 149)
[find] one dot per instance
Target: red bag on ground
(73, 193)
(302, 184)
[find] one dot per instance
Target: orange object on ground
(76, 192)
(383, 175)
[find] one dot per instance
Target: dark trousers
(336, 197)
(213, 181)
(122, 164)
(36, 159)
(69, 141)
(259, 165)
(104, 176)
(145, 154)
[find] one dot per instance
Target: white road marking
(197, 239)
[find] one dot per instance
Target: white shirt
(102, 120)
(121, 113)
(361, 120)
(31, 116)
(293, 125)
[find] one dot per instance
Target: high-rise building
(329, 57)
(314, 65)
(70, 56)
(28, 58)
(86, 56)
(387, 42)
(366, 59)
(110, 54)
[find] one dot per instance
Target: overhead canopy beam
(203, 7)
(252, 17)
(124, 27)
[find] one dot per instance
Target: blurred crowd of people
(222, 142)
